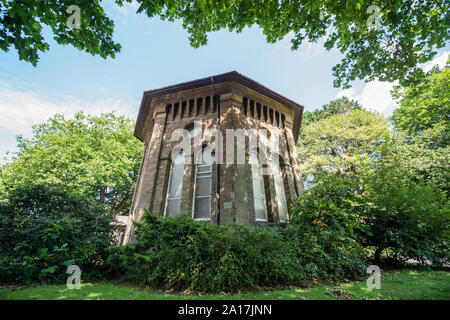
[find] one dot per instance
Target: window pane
(175, 186)
(202, 202)
(203, 186)
(202, 208)
(173, 207)
(259, 195)
(178, 168)
(260, 210)
(279, 188)
(202, 168)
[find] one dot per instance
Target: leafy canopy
(421, 136)
(406, 214)
(408, 34)
(95, 156)
(44, 229)
(422, 155)
(180, 253)
(338, 106)
(424, 105)
(340, 144)
(21, 24)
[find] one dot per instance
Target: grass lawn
(402, 284)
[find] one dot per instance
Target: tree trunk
(378, 254)
(102, 194)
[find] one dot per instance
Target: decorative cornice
(146, 109)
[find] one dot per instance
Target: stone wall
(239, 108)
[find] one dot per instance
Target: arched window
(279, 189)
(201, 209)
(174, 190)
(259, 195)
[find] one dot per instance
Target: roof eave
(221, 78)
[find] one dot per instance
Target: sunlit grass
(403, 284)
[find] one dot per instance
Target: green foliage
(180, 253)
(409, 30)
(340, 106)
(340, 144)
(21, 24)
(44, 229)
(422, 155)
(424, 105)
(96, 156)
(389, 210)
(330, 205)
(407, 215)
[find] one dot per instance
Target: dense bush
(326, 216)
(180, 253)
(95, 156)
(330, 205)
(390, 211)
(44, 229)
(408, 217)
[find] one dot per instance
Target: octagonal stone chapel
(171, 181)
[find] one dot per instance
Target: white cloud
(21, 107)
(440, 59)
(350, 92)
(375, 95)
(127, 8)
(306, 50)
(312, 49)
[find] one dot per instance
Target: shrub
(324, 219)
(179, 253)
(408, 217)
(390, 210)
(329, 205)
(44, 229)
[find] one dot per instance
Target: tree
(395, 202)
(44, 229)
(94, 156)
(338, 106)
(423, 155)
(407, 215)
(21, 24)
(409, 31)
(340, 144)
(329, 205)
(424, 105)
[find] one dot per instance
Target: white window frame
(170, 184)
(259, 167)
(280, 191)
(194, 196)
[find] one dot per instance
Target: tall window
(259, 195)
(279, 189)
(173, 202)
(202, 192)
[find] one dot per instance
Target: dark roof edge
(225, 77)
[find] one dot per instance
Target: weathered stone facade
(227, 101)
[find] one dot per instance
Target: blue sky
(157, 53)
